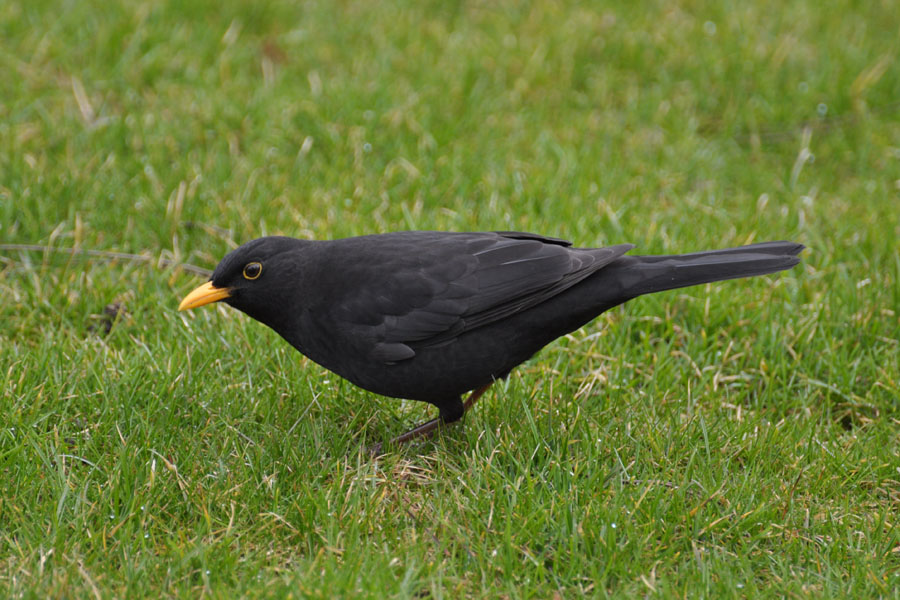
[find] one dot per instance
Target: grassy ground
(739, 439)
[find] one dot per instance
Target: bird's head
(252, 278)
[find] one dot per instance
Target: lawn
(730, 440)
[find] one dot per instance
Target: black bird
(429, 315)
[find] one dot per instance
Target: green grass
(738, 439)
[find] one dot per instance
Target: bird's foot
(422, 431)
(427, 429)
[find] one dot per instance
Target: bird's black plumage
(431, 315)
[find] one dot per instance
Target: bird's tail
(648, 274)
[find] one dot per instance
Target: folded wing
(448, 284)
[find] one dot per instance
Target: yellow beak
(204, 294)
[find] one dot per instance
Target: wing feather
(441, 285)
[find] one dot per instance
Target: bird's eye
(252, 270)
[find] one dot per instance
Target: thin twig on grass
(110, 256)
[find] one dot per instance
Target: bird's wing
(449, 284)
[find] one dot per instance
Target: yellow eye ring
(252, 270)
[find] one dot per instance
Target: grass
(738, 439)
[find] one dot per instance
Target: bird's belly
(477, 357)
(437, 374)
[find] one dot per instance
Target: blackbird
(429, 316)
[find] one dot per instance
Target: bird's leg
(427, 429)
(475, 395)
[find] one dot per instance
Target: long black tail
(648, 274)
